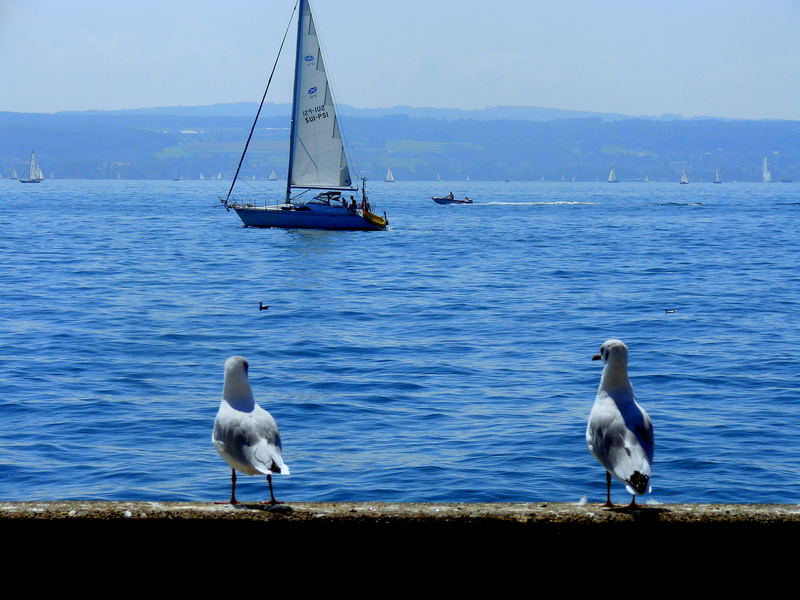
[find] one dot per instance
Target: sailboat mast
(296, 95)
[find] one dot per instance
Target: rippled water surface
(448, 359)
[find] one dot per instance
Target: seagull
(669, 311)
(619, 433)
(246, 435)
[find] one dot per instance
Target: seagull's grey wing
(616, 446)
(263, 449)
(639, 423)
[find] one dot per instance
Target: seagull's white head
(236, 386)
(613, 352)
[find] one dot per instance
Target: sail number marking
(315, 113)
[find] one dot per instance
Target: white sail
(766, 176)
(684, 178)
(273, 176)
(716, 176)
(612, 176)
(317, 157)
(13, 174)
(34, 171)
(389, 175)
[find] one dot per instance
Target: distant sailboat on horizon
(14, 174)
(766, 176)
(612, 176)
(273, 176)
(389, 175)
(34, 172)
(716, 176)
(684, 178)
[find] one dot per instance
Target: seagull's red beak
(596, 357)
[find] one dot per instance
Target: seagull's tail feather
(280, 467)
(267, 458)
(639, 483)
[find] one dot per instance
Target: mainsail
(316, 156)
(34, 171)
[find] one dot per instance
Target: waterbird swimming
(620, 433)
(669, 311)
(246, 435)
(262, 306)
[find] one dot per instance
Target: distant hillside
(248, 109)
(159, 144)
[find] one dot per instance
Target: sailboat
(684, 178)
(317, 159)
(612, 176)
(766, 176)
(34, 172)
(389, 175)
(13, 174)
(716, 176)
(273, 176)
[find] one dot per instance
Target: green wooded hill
(418, 144)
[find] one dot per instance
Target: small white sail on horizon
(273, 176)
(14, 174)
(684, 178)
(612, 176)
(716, 176)
(389, 175)
(766, 176)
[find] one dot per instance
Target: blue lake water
(447, 359)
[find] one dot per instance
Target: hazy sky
(726, 58)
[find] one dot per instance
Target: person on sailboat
(451, 196)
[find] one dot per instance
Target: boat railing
(230, 203)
